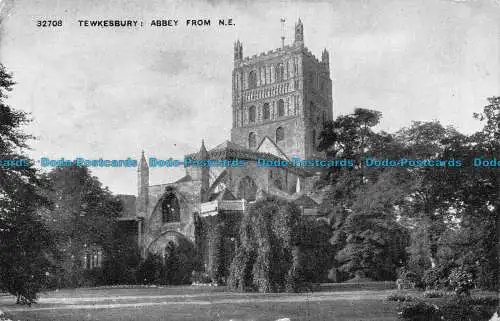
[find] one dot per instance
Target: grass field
(195, 303)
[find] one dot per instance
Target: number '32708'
(49, 23)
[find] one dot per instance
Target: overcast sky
(110, 93)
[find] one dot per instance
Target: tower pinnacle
(282, 32)
(299, 33)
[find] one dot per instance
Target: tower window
(252, 79)
(266, 112)
(251, 114)
(281, 108)
(170, 209)
(252, 140)
(280, 72)
(280, 134)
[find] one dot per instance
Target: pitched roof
(267, 145)
(305, 201)
(225, 194)
(183, 179)
(230, 150)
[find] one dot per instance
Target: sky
(110, 93)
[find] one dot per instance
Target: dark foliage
(27, 249)
(122, 257)
(421, 311)
(438, 277)
(267, 259)
(176, 267)
(151, 270)
(454, 309)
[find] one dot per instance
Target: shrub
(400, 298)
(484, 300)
(199, 277)
(462, 310)
(437, 277)
(420, 311)
(461, 281)
(150, 270)
(456, 309)
(436, 294)
(409, 277)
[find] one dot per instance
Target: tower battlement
(284, 94)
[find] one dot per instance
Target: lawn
(195, 303)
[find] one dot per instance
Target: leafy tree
(375, 242)
(268, 256)
(433, 197)
(122, 258)
(361, 229)
(84, 216)
(26, 247)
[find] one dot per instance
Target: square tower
(283, 94)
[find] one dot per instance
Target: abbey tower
(284, 94)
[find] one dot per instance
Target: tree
(26, 247)
(433, 199)
(83, 217)
(361, 229)
(374, 245)
(268, 256)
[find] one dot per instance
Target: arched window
(252, 79)
(247, 189)
(280, 72)
(252, 140)
(278, 184)
(280, 134)
(313, 138)
(266, 114)
(170, 209)
(281, 108)
(251, 114)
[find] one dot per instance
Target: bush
(150, 270)
(409, 277)
(199, 277)
(436, 294)
(463, 310)
(421, 311)
(92, 277)
(457, 309)
(484, 300)
(400, 298)
(316, 253)
(437, 277)
(461, 281)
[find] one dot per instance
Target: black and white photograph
(264, 160)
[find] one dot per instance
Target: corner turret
(142, 187)
(238, 51)
(299, 33)
(205, 173)
(325, 59)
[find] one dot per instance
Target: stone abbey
(281, 100)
